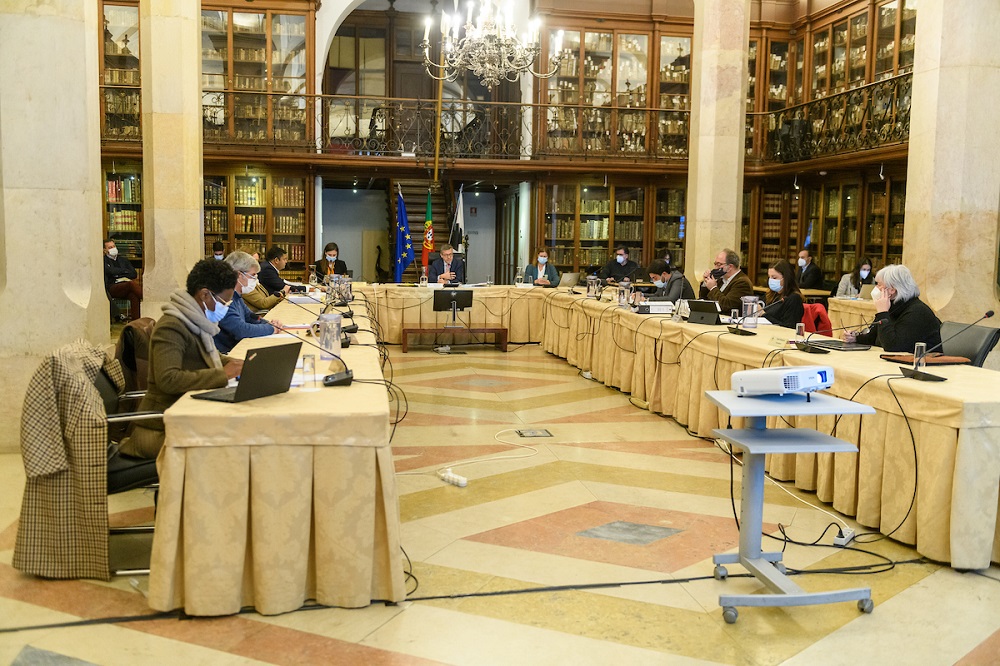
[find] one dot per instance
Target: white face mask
(876, 294)
(802, 262)
(250, 286)
(864, 274)
(113, 253)
(331, 258)
(621, 259)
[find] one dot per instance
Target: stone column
(718, 100)
(953, 176)
(170, 55)
(51, 267)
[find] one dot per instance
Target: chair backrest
(132, 351)
(975, 343)
(816, 320)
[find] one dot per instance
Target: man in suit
(808, 275)
(275, 260)
(725, 283)
(447, 267)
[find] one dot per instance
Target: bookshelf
(669, 223)
(777, 75)
(123, 209)
(895, 33)
(883, 239)
(257, 211)
(674, 95)
(120, 73)
(631, 81)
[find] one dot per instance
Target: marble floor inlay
(630, 533)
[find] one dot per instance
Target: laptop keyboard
(838, 345)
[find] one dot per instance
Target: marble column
(953, 176)
(170, 53)
(715, 167)
(51, 269)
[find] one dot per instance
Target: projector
(779, 381)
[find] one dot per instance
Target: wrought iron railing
(871, 116)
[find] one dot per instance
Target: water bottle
(329, 335)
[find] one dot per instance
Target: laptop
(266, 371)
(569, 280)
(703, 312)
(866, 291)
(836, 345)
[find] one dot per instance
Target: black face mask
(717, 273)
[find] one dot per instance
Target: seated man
(120, 279)
(725, 283)
(275, 260)
(808, 275)
(447, 267)
(619, 268)
(218, 250)
(670, 283)
(239, 322)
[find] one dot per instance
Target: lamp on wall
(488, 47)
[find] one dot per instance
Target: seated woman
(850, 284)
(902, 319)
(783, 303)
(330, 264)
(541, 273)
(239, 322)
(670, 283)
(182, 352)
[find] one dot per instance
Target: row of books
(215, 194)
(123, 220)
(216, 221)
(251, 195)
(249, 224)
(289, 196)
(629, 230)
(126, 190)
(290, 224)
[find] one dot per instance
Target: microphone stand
(922, 376)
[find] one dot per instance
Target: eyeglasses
(222, 302)
(720, 264)
(249, 275)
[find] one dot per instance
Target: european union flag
(404, 246)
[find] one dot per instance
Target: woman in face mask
(783, 302)
(541, 273)
(182, 352)
(239, 322)
(850, 284)
(901, 318)
(331, 263)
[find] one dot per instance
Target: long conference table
(275, 501)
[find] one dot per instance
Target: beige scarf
(183, 306)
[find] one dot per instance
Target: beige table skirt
(956, 425)
(850, 313)
(520, 311)
(276, 501)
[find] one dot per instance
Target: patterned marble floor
(614, 498)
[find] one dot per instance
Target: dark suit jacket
(810, 277)
(729, 299)
(323, 267)
(437, 267)
(268, 276)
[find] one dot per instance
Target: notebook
(266, 371)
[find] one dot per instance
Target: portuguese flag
(428, 233)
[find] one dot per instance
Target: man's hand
(287, 289)
(233, 369)
(278, 326)
(447, 277)
(710, 282)
(610, 280)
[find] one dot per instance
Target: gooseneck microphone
(922, 376)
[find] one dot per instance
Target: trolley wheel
(720, 572)
(866, 605)
(729, 614)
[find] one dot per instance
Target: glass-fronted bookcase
(120, 74)
(254, 211)
(256, 75)
(123, 208)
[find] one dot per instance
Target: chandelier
(489, 48)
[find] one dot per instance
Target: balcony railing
(872, 116)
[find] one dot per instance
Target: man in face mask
(120, 279)
(238, 322)
(808, 274)
(620, 268)
(725, 283)
(670, 283)
(218, 250)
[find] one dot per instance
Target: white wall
(345, 216)
(481, 229)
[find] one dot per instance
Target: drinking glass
(920, 356)
(308, 372)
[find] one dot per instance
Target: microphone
(337, 378)
(922, 376)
